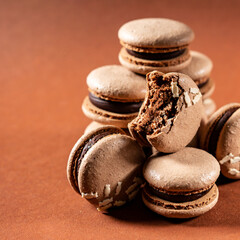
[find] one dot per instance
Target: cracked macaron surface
(104, 167)
(170, 114)
(181, 184)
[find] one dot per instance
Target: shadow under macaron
(135, 212)
(222, 180)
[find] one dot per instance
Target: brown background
(47, 48)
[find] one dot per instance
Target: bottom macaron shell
(105, 117)
(139, 67)
(181, 210)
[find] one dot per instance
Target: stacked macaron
(156, 100)
(162, 44)
(155, 44)
(115, 95)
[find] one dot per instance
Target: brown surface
(47, 50)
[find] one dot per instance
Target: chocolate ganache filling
(116, 107)
(177, 198)
(212, 144)
(156, 56)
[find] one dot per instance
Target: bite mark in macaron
(172, 99)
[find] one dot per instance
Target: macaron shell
(114, 82)
(157, 32)
(208, 128)
(193, 208)
(92, 126)
(209, 107)
(189, 169)
(185, 124)
(143, 66)
(105, 117)
(115, 158)
(194, 142)
(229, 143)
(95, 125)
(74, 154)
(181, 133)
(199, 67)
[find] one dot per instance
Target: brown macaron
(105, 167)
(170, 114)
(155, 44)
(199, 69)
(221, 138)
(209, 107)
(182, 184)
(115, 95)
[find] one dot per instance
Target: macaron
(155, 44)
(182, 184)
(221, 139)
(209, 106)
(105, 167)
(199, 70)
(170, 114)
(115, 95)
(92, 126)
(95, 125)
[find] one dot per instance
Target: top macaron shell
(229, 140)
(111, 160)
(155, 32)
(186, 170)
(105, 167)
(78, 147)
(114, 82)
(199, 67)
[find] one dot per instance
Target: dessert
(170, 114)
(182, 184)
(155, 44)
(105, 167)
(221, 138)
(115, 95)
(199, 69)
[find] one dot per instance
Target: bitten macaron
(221, 138)
(115, 95)
(182, 184)
(199, 70)
(105, 167)
(155, 44)
(170, 114)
